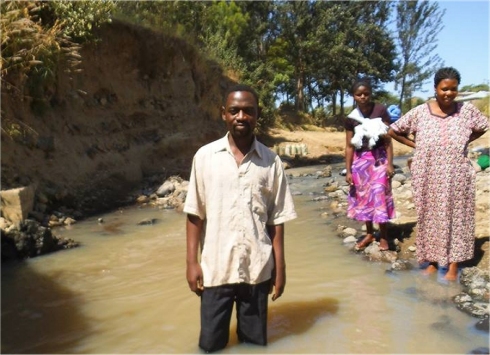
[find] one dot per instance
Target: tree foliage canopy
(305, 54)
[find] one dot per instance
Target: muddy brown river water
(124, 291)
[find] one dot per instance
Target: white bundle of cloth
(370, 128)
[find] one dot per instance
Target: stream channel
(124, 291)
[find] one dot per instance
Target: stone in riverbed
(482, 324)
(31, 239)
(349, 239)
(480, 350)
(401, 264)
(467, 304)
(166, 189)
(147, 221)
(17, 203)
(348, 232)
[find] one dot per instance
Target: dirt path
(322, 142)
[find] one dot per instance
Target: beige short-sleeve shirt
(236, 203)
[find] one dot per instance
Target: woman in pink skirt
(369, 170)
(443, 179)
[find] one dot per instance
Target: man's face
(240, 114)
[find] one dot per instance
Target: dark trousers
(251, 311)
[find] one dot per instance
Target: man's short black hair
(240, 87)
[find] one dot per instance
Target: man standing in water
(237, 203)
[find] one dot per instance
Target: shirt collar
(224, 144)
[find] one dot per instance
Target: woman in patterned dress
(443, 177)
(369, 170)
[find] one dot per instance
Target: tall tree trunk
(299, 94)
(402, 92)
(409, 96)
(342, 112)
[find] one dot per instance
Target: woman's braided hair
(446, 73)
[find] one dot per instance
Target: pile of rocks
(28, 239)
(170, 195)
(475, 294)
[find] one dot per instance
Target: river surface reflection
(124, 291)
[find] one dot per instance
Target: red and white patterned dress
(443, 181)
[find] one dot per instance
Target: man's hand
(194, 278)
(278, 283)
(276, 233)
(194, 227)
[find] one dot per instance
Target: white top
(237, 202)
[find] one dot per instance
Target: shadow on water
(298, 317)
(38, 315)
(294, 318)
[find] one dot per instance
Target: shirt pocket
(261, 192)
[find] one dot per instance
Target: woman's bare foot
(383, 244)
(368, 239)
(452, 272)
(383, 240)
(432, 268)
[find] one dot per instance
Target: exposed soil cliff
(142, 104)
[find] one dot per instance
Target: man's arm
(276, 233)
(194, 227)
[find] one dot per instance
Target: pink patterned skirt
(370, 198)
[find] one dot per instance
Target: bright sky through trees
(463, 42)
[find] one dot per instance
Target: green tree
(222, 24)
(78, 18)
(418, 23)
(255, 45)
(295, 21)
(385, 97)
(354, 42)
(304, 52)
(214, 26)
(183, 18)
